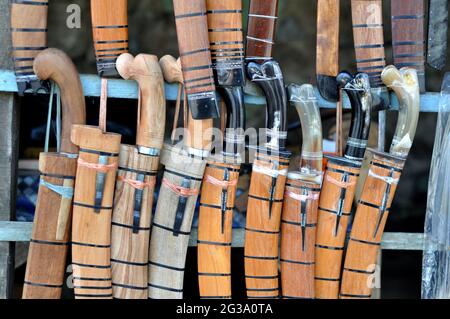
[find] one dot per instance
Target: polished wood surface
(264, 207)
(298, 239)
(360, 265)
(368, 37)
(110, 33)
(408, 37)
(331, 228)
(192, 30)
(328, 12)
(91, 230)
(215, 226)
(262, 21)
(29, 34)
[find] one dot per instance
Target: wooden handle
(91, 224)
(110, 33)
(146, 71)
(298, 239)
(262, 18)
(215, 226)
(46, 262)
(335, 206)
(130, 234)
(368, 36)
(193, 42)
(368, 227)
(226, 41)
(29, 35)
(265, 202)
(408, 37)
(172, 223)
(171, 69)
(55, 65)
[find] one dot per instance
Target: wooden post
(9, 120)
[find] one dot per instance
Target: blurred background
(152, 30)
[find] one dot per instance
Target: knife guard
(46, 263)
(172, 223)
(131, 223)
(335, 206)
(265, 202)
(91, 227)
(192, 30)
(215, 226)
(298, 237)
(29, 38)
(408, 37)
(368, 225)
(110, 33)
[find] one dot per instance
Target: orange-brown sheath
(327, 63)
(110, 33)
(29, 35)
(262, 19)
(91, 224)
(265, 202)
(191, 22)
(368, 36)
(51, 228)
(368, 226)
(298, 228)
(408, 37)
(215, 226)
(338, 188)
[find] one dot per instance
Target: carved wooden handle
(262, 20)
(110, 33)
(53, 64)
(408, 37)
(29, 36)
(369, 40)
(171, 69)
(146, 71)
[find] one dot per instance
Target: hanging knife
(379, 188)
(437, 33)
(46, 263)
(408, 37)
(221, 175)
(339, 188)
(301, 201)
(327, 60)
(29, 38)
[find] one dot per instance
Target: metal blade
(437, 34)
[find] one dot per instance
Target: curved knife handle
(193, 42)
(304, 99)
(327, 63)
(227, 41)
(54, 64)
(145, 70)
(405, 84)
(262, 18)
(171, 69)
(358, 90)
(368, 36)
(110, 33)
(29, 38)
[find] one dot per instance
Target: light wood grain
(328, 37)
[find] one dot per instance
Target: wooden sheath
(29, 35)
(298, 228)
(171, 226)
(408, 37)
(335, 206)
(368, 36)
(51, 228)
(110, 33)
(91, 225)
(130, 238)
(262, 19)
(265, 202)
(215, 230)
(368, 226)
